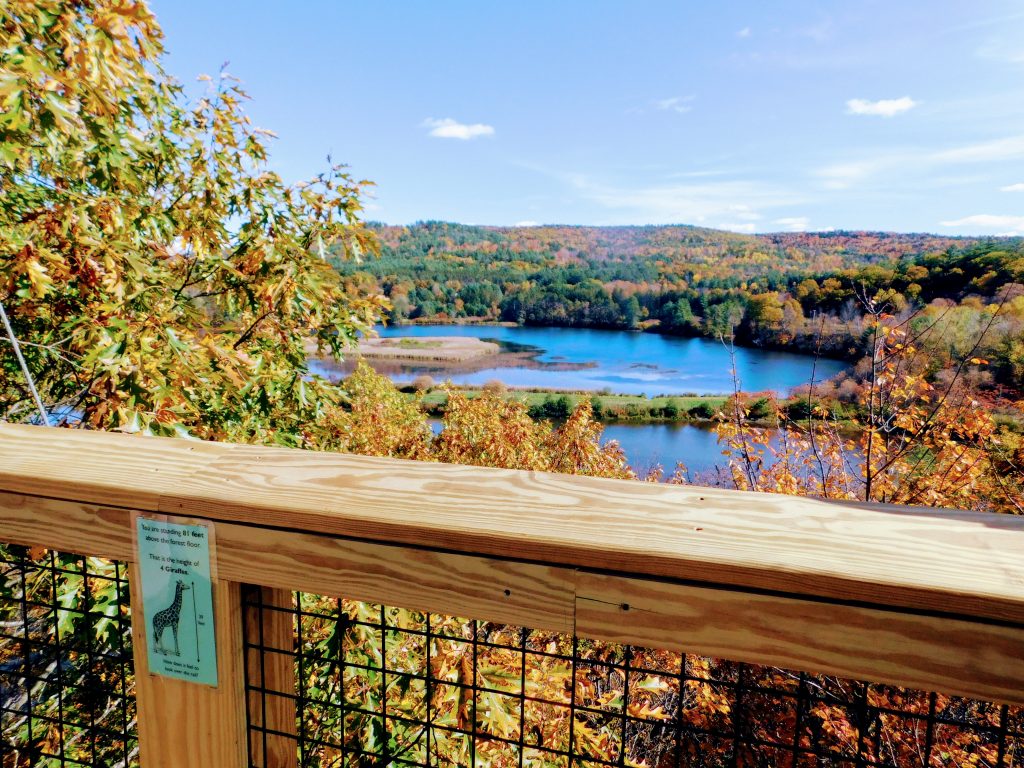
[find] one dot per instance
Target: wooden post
(183, 724)
(270, 635)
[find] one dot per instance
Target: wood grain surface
(965, 563)
(921, 597)
(99, 467)
(270, 663)
(66, 526)
(922, 652)
(185, 724)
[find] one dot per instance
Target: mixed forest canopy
(808, 291)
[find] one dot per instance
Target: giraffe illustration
(168, 617)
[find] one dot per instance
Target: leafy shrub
(702, 411)
(761, 408)
(423, 383)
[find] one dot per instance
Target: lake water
(623, 362)
(650, 445)
(620, 361)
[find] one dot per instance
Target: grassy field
(607, 408)
(420, 344)
(438, 349)
(683, 402)
(637, 408)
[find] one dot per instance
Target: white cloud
(843, 175)
(735, 205)
(986, 21)
(906, 163)
(447, 128)
(698, 174)
(677, 104)
(527, 224)
(1013, 224)
(794, 223)
(1012, 188)
(999, 149)
(880, 108)
(747, 228)
(1001, 49)
(745, 32)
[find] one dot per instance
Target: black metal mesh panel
(65, 661)
(371, 685)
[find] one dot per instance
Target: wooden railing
(924, 598)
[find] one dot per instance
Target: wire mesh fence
(335, 682)
(66, 686)
(342, 683)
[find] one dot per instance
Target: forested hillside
(811, 291)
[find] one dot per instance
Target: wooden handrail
(954, 562)
(927, 598)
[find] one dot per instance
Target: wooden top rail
(925, 597)
(928, 559)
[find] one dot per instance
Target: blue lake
(649, 445)
(652, 445)
(620, 361)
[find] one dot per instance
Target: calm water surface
(623, 362)
(620, 361)
(650, 445)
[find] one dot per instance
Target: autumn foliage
(917, 443)
(164, 281)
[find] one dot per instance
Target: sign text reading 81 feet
(177, 598)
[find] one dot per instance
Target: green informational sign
(177, 599)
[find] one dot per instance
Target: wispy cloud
(699, 174)
(794, 223)
(820, 33)
(880, 108)
(745, 33)
(907, 162)
(1012, 188)
(1009, 225)
(988, 21)
(678, 104)
(999, 149)
(447, 128)
(746, 228)
(734, 205)
(527, 223)
(1002, 49)
(844, 175)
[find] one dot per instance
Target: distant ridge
(808, 291)
(676, 243)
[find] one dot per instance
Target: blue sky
(903, 115)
